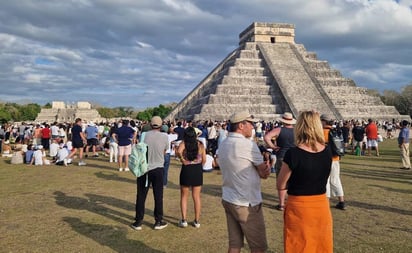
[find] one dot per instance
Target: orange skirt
(308, 224)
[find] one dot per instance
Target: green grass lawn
(89, 209)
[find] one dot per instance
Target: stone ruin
(61, 112)
(269, 74)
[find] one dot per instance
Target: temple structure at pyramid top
(269, 74)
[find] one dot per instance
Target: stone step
(245, 80)
(230, 108)
(236, 89)
(337, 82)
(251, 54)
(221, 98)
(328, 73)
(246, 71)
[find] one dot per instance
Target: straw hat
(287, 118)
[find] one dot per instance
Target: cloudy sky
(142, 53)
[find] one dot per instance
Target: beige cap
(242, 116)
(156, 122)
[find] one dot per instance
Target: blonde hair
(308, 129)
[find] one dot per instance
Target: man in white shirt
(242, 166)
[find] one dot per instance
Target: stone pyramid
(269, 74)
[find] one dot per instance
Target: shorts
(77, 143)
(92, 142)
(125, 150)
(372, 143)
(248, 222)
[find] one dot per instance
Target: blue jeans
(166, 168)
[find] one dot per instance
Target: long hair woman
(192, 154)
(304, 174)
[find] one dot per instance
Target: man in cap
(284, 140)
(242, 167)
(334, 186)
(157, 144)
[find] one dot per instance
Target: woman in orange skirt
(304, 174)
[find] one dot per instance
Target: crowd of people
(301, 152)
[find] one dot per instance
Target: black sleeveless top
(310, 171)
(285, 141)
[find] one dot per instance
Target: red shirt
(371, 131)
(45, 133)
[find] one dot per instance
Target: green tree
(29, 112)
(4, 115)
(161, 111)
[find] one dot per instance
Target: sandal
(280, 207)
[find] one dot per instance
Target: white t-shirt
(62, 154)
(54, 147)
(38, 157)
(208, 166)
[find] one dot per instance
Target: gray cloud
(150, 52)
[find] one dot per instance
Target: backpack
(138, 159)
(336, 143)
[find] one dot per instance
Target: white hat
(287, 118)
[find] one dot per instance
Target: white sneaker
(182, 223)
(126, 169)
(196, 224)
(120, 169)
(65, 162)
(82, 163)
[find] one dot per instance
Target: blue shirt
(123, 135)
(91, 132)
(76, 130)
(403, 136)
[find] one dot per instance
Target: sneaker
(136, 226)
(126, 169)
(69, 161)
(96, 155)
(182, 223)
(341, 206)
(120, 169)
(196, 224)
(82, 163)
(160, 225)
(65, 162)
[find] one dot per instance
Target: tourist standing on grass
(334, 186)
(45, 137)
(403, 141)
(192, 155)
(124, 136)
(92, 136)
(358, 134)
(78, 141)
(284, 139)
(304, 174)
(242, 168)
(157, 144)
(371, 131)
